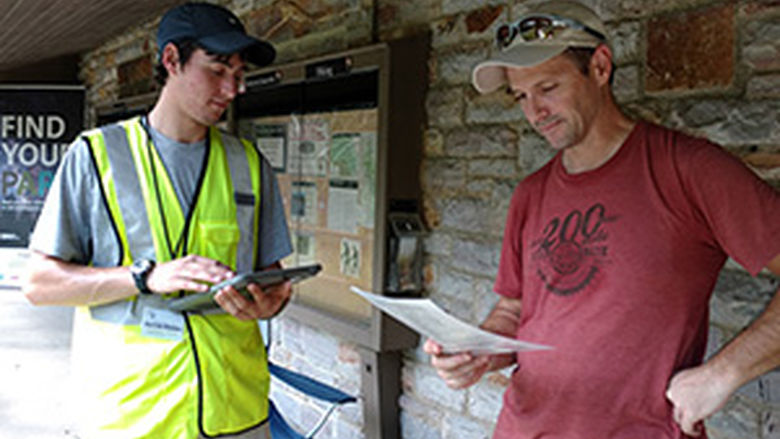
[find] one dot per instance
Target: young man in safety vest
(161, 205)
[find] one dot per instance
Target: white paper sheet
(452, 334)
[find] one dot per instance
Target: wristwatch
(141, 269)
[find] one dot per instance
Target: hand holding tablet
(205, 301)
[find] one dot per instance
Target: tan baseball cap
(545, 30)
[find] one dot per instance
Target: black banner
(37, 123)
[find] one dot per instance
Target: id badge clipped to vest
(162, 324)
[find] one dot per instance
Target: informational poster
(272, 142)
(349, 257)
(326, 165)
(37, 123)
(343, 205)
(303, 202)
(309, 141)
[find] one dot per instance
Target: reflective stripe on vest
(218, 371)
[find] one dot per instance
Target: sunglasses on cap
(539, 27)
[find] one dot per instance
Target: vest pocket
(219, 240)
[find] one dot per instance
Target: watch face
(141, 266)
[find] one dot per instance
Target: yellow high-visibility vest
(214, 381)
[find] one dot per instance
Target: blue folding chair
(280, 428)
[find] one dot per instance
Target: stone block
(705, 112)
(472, 216)
(626, 84)
(487, 8)
(610, 10)
(692, 50)
(433, 143)
(447, 31)
(738, 420)
(413, 427)
(770, 424)
(770, 388)
(454, 66)
(764, 86)
(439, 244)
(493, 108)
(445, 107)
(428, 386)
(419, 408)
(487, 141)
(492, 168)
(497, 190)
(482, 19)
(392, 14)
(485, 400)
(624, 38)
(533, 152)
(738, 299)
(459, 427)
(134, 50)
(431, 210)
(478, 26)
(735, 123)
(763, 391)
(451, 284)
(135, 77)
(716, 338)
(761, 43)
(478, 257)
(443, 174)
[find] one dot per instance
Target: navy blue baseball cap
(214, 28)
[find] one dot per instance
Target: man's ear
(601, 64)
(170, 58)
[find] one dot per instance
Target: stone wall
(708, 67)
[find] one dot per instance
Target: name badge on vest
(161, 323)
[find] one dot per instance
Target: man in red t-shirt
(611, 252)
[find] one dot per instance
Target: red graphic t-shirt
(615, 268)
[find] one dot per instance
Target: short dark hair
(186, 48)
(581, 56)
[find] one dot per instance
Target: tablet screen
(205, 301)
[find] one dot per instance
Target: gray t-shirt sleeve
(274, 235)
(73, 203)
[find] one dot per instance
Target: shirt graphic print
(571, 251)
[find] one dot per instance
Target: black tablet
(205, 301)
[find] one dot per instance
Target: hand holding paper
(452, 334)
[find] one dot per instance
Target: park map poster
(37, 123)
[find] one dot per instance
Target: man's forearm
(757, 349)
(51, 281)
(753, 352)
(503, 320)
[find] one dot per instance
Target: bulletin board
(326, 167)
